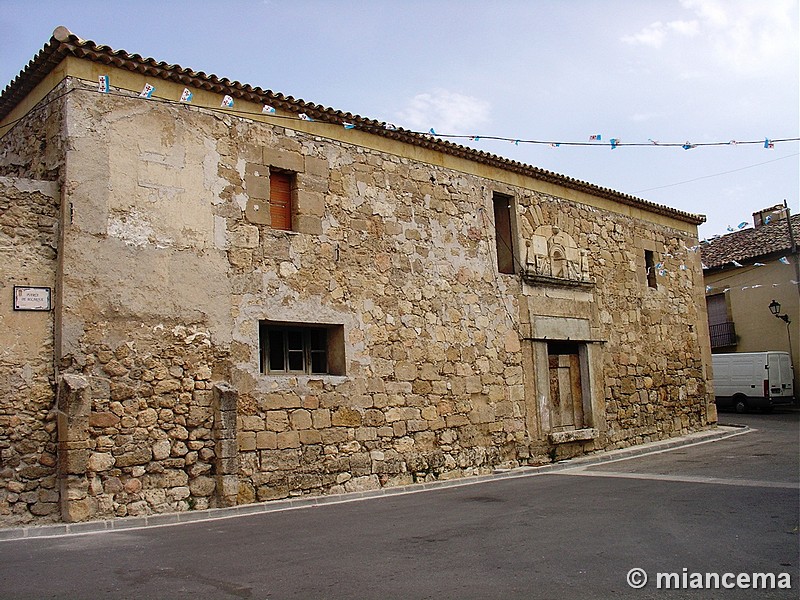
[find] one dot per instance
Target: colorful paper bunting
(147, 91)
(187, 95)
(102, 84)
(227, 102)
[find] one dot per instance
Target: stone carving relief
(552, 255)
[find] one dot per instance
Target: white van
(753, 380)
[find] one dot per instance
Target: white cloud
(446, 112)
(656, 33)
(743, 36)
(747, 36)
(644, 117)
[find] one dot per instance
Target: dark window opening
(650, 265)
(280, 199)
(502, 231)
(302, 349)
(562, 347)
(721, 328)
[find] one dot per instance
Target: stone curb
(130, 523)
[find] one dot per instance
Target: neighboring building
(744, 273)
(249, 306)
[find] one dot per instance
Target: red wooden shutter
(280, 200)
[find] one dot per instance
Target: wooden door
(566, 396)
(280, 200)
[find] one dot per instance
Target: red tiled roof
(750, 245)
(64, 43)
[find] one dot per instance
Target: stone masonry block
(247, 441)
(288, 439)
(226, 398)
(226, 448)
(266, 440)
(244, 236)
(257, 211)
(257, 186)
(228, 465)
(287, 161)
(310, 203)
(318, 167)
(72, 429)
(346, 417)
(308, 224)
(74, 397)
(228, 486)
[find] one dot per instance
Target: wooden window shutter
(502, 230)
(280, 200)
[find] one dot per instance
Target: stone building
(206, 304)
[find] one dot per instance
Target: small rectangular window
(502, 233)
(650, 265)
(280, 199)
(287, 348)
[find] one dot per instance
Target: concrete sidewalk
(164, 519)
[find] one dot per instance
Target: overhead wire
(613, 143)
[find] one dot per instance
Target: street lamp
(775, 309)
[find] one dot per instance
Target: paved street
(725, 506)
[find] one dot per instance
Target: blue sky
(672, 71)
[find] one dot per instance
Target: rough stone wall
(170, 265)
(653, 374)
(28, 247)
(33, 147)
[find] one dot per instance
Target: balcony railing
(722, 334)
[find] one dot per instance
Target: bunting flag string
(741, 225)
(147, 91)
(594, 140)
(661, 268)
(725, 289)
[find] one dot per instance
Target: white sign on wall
(31, 298)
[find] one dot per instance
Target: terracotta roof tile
(750, 245)
(65, 43)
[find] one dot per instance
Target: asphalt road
(729, 506)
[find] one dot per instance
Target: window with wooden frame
(281, 184)
(299, 348)
(502, 233)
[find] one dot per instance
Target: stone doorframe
(539, 418)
